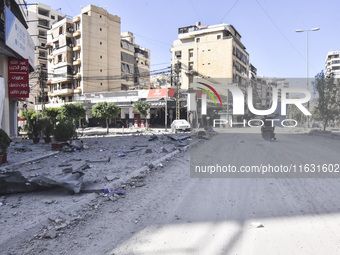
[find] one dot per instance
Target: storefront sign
(18, 82)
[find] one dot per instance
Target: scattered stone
(148, 151)
(153, 138)
(164, 150)
(111, 178)
(50, 234)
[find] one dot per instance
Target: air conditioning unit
(71, 45)
(70, 29)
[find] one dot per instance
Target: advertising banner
(18, 80)
(18, 38)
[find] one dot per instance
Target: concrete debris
(153, 138)
(203, 135)
(99, 161)
(179, 137)
(111, 178)
(133, 149)
(164, 150)
(148, 151)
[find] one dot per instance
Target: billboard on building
(18, 79)
(18, 38)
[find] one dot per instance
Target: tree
(72, 111)
(105, 110)
(328, 89)
(52, 113)
(142, 107)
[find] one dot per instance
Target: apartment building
(89, 54)
(332, 64)
(84, 55)
(40, 17)
(135, 64)
(214, 53)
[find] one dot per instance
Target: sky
(268, 28)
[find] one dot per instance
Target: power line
(276, 26)
(193, 7)
(229, 11)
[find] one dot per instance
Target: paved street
(176, 214)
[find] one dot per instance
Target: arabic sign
(18, 84)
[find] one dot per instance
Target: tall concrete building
(332, 64)
(135, 64)
(40, 17)
(84, 55)
(215, 53)
(89, 54)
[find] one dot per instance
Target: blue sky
(267, 28)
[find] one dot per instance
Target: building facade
(214, 53)
(41, 17)
(332, 64)
(89, 54)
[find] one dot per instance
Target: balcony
(77, 76)
(76, 48)
(77, 90)
(76, 34)
(76, 19)
(77, 62)
(61, 92)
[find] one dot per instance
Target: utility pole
(42, 89)
(177, 71)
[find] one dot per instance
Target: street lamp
(307, 30)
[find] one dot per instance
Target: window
(101, 43)
(191, 53)
(218, 37)
(100, 16)
(101, 70)
(100, 29)
(52, 17)
(60, 58)
(101, 84)
(101, 57)
(178, 54)
(198, 40)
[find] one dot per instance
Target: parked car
(180, 125)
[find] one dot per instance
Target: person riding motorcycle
(268, 123)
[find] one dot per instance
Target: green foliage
(105, 110)
(52, 113)
(64, 131)
(328, 89)
(74, 111)
(142, 107)
(295, 113)
(47, 126)
(5, 141)
(35, 127)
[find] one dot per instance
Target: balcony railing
(61, 92)
(76, 48)
(76, 62)
(76, 34)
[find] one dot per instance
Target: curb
(19, 164)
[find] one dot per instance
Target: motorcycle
(268, 133)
